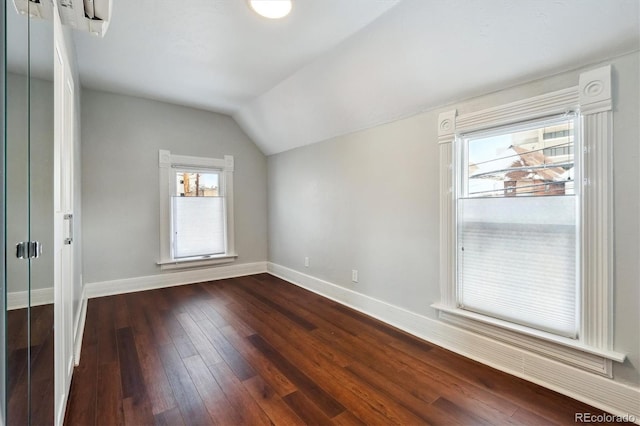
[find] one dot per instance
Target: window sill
(562, 349)
(196, 262)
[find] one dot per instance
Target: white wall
(121, 136)
(370, 201)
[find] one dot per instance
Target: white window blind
(198, 226)
(517, 260)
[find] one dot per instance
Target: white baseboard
(129, 285)
(20, 299)
(601, 392)
(78, 331)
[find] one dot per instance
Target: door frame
(64, 129)
(3, 305)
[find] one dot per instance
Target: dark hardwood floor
(258, 351)
(40, 369)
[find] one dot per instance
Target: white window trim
(167, 162)
(593, 351)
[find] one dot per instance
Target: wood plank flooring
(40, 370)
(259, 351)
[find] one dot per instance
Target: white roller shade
(198, 226)
(517, 260)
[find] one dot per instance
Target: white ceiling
(336, 66)
(213, 54)
(424, 53)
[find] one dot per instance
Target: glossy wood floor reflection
(257, 351)
(40, 370)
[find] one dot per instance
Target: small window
(517, 226)
(196, 211)
(197, 214)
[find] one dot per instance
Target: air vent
(84, 15)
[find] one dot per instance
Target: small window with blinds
(517, 225)
(197, 214)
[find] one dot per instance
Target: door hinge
(28, 250)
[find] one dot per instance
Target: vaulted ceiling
(335, 66)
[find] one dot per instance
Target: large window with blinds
(517, 231)
(526, 227)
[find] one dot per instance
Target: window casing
(196, 211)
(587, 340)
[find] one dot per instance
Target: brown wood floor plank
(171, 417)
(259, 351)
(157, 387)
(347, 419)
(322, 399)
(306, 410)
(247, 306)
(41, 324)
(43, 409)
(179, 337)
(244, 282)
(130, 371)
(42, 360)
(298, 336)
(137, 411)
(17, 407)
(363, 349)
(17, 329)
(106, 331)
(271, 403)
(546, 403)
(525, 417)
(155, 319)
(191, 405)
(424, 382)
(207, 308)
(121, 314)
(460, 414)
(81, 408)
(201, 343)
(416, 403)
(365, 405)
(231, 356)
(109, 395)
(365, 402)
(139, 321)
(214, 399)
(269, 373)
(239, 397)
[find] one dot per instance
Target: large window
(196, 211)
(517, 225)
(526, 252)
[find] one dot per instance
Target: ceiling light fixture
(272, 9)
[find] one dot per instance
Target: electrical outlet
(306, 262)
(354, 275)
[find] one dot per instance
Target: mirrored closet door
(28, 187)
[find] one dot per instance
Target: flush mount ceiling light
(272, 9)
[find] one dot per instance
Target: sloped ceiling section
(424, 53)
(213, 54)
(336, 66)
